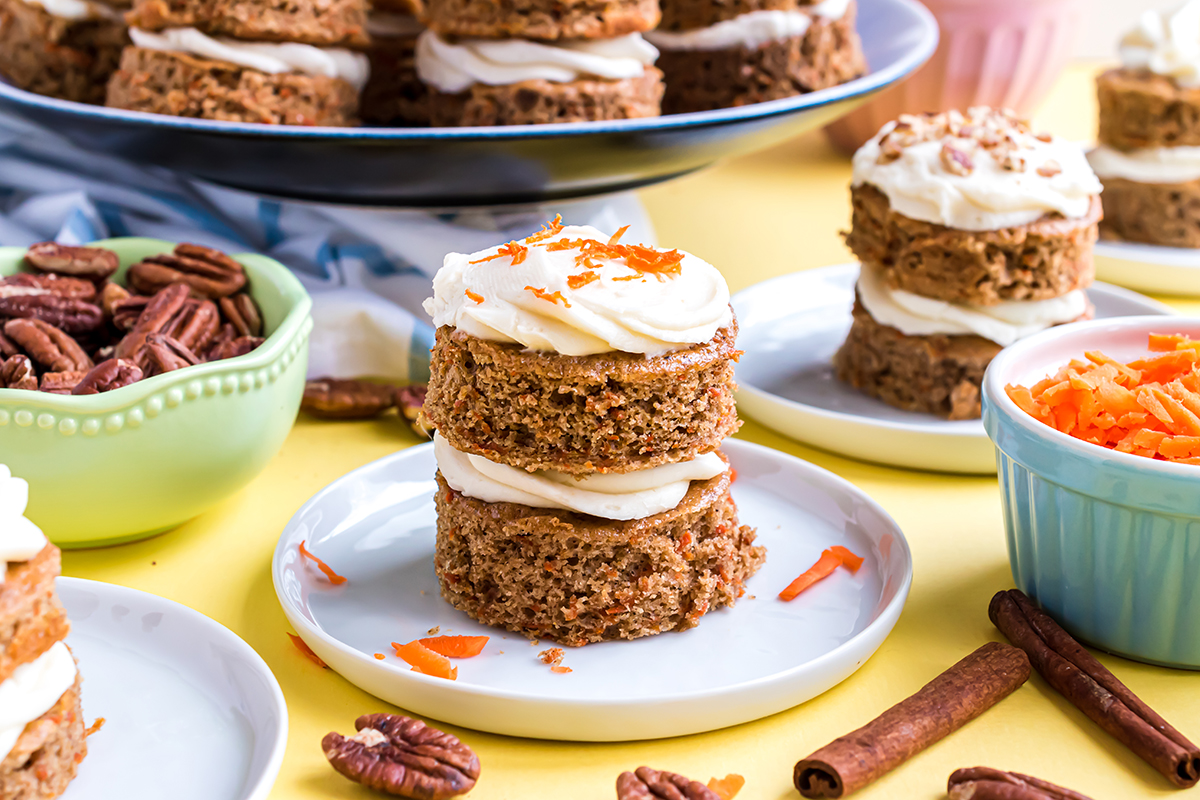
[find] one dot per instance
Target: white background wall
(1106, 20)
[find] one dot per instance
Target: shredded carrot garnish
(732, 475)
(478, 298)
(727, 788)
(334, 578)
(1149, 407)
(616, 237)
(638, 257)
(551, 228)
(456, 646)
(426, 661)
(96, 725)
(560, 669)
(582, 279)
(830, 560)
(553, 297)
(380, 656)
(514, 250)
(303, 647)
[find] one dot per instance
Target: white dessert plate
(191, 711)
(789, 329)
(375, 526)
(1149, 267)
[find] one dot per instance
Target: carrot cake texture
(1148, 157)
(580, 389)
(973, 232)
(721, 55)
(60, 48)
(42, 737)
(245, 61)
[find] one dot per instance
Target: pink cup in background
(1005, 53)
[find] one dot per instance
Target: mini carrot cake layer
(322, 23)
(542, 20)
(1149, 153)
(755, 56)
(553, 557)
(566, 353)
(477, 82)
(60, 48)
(42, 738)
(973, 233)
(974, 208)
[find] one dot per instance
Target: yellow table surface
(755, 218)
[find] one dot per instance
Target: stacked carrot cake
(42, 738)
(581, 389)
(538, 61)
(61, 48)
(973, 232)
(716, 55)
(245, 60)
(1149, 153)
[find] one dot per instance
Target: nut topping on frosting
(997, 132)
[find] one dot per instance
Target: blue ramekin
(1107, 543)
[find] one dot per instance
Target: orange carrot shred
(303, 647)
(514, 250)
(334, 578)
(456, 646)
(616, 237)
(553, 297)
(727, 788)
(380, 656)
(478, 298)
(426, 661)
(848, 559)
(582, 279)
(824, 567)
(96, 725)
(560, 669)
(551, 228)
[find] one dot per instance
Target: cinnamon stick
(1079, 677)
(985, 783)
(945, 704)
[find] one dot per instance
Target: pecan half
(61, 382)
(957, 162)
(17, 373)
(8, 348)
(985, 783)
(27, 283)
(110, 295)
(65, 313)
(159, 311)
(108, 375)
(404, 757)
(93, 263)
(125, 312)
(209, 273)
(47, 345)
(162, 353)
(232, 349)
(329, 398)
(651, 784)
(411, 402)
(241, 310)
(195, 325)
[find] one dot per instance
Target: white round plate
(191, 711)
(789, 328)
(375, 526)
(1150, 268)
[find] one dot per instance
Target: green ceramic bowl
(127, 464)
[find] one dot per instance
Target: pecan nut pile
(58, 320)
(403, 757)
(645, 783)
(330, 398)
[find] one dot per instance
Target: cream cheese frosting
(632, 495)
(270, 57)
(20, 539)
(455, 67)
(982, 171)
(1003, 323)
(77, 9)
(1166, 42)
(31, 691)
(1161, 165)
(546, 300)
(750, 30)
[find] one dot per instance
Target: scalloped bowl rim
(872, 82)
(262, 356)
(998, 399)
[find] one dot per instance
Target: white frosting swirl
(1004, 323)
(453, 68)
(632, 495)
(31, 691)
(919, 186)
(621, 309)
(751, 30)
(271, 57)
(20, 539)
(1162, 165)
(77, 9)
(1167, 43)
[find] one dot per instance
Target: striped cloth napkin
(367, 269)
